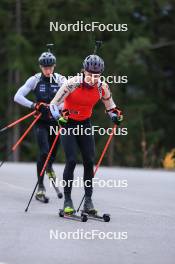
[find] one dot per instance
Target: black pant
(45, 140)
(86, 145)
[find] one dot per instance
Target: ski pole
(50, 153)
(101, 158)
(22, 137)
(31, 197)
(43, 169)
(17, 121)
(105, 149)
(59, 194)
(26, 132)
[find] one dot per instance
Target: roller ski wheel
(42, 198)
(61, 213)
(96, 216)
(84, 217)
(59, 194)
(106, 217)
(73, 216)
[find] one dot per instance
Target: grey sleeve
(63, 80)
(20, 96)
(67, 88)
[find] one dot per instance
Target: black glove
(42, 108)
(116, 115)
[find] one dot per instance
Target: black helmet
(94, 64)
(47, 59)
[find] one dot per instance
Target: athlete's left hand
(116, 115)
(64, 117)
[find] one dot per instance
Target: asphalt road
(142, 226)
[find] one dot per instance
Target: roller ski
(69, 211)
(52, 177)
(41, 195)
(92, 212)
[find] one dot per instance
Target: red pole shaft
(50, 152)
(105, 149)
(21, 119)
(18, 121)
(25, 133)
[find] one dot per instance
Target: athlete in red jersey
(80, 95)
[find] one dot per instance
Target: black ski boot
(41, 194)
(68, 204)
(88, 206)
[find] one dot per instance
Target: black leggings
(86, 145)
(45, 140)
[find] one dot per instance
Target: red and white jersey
(80, 100)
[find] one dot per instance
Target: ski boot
(51, 174)
(68, 205)
(41, 194)
(69, 211)
(92, 212)
(88, 206)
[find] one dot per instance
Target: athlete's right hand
(64, 117)
(41, 107)
(60, 115)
